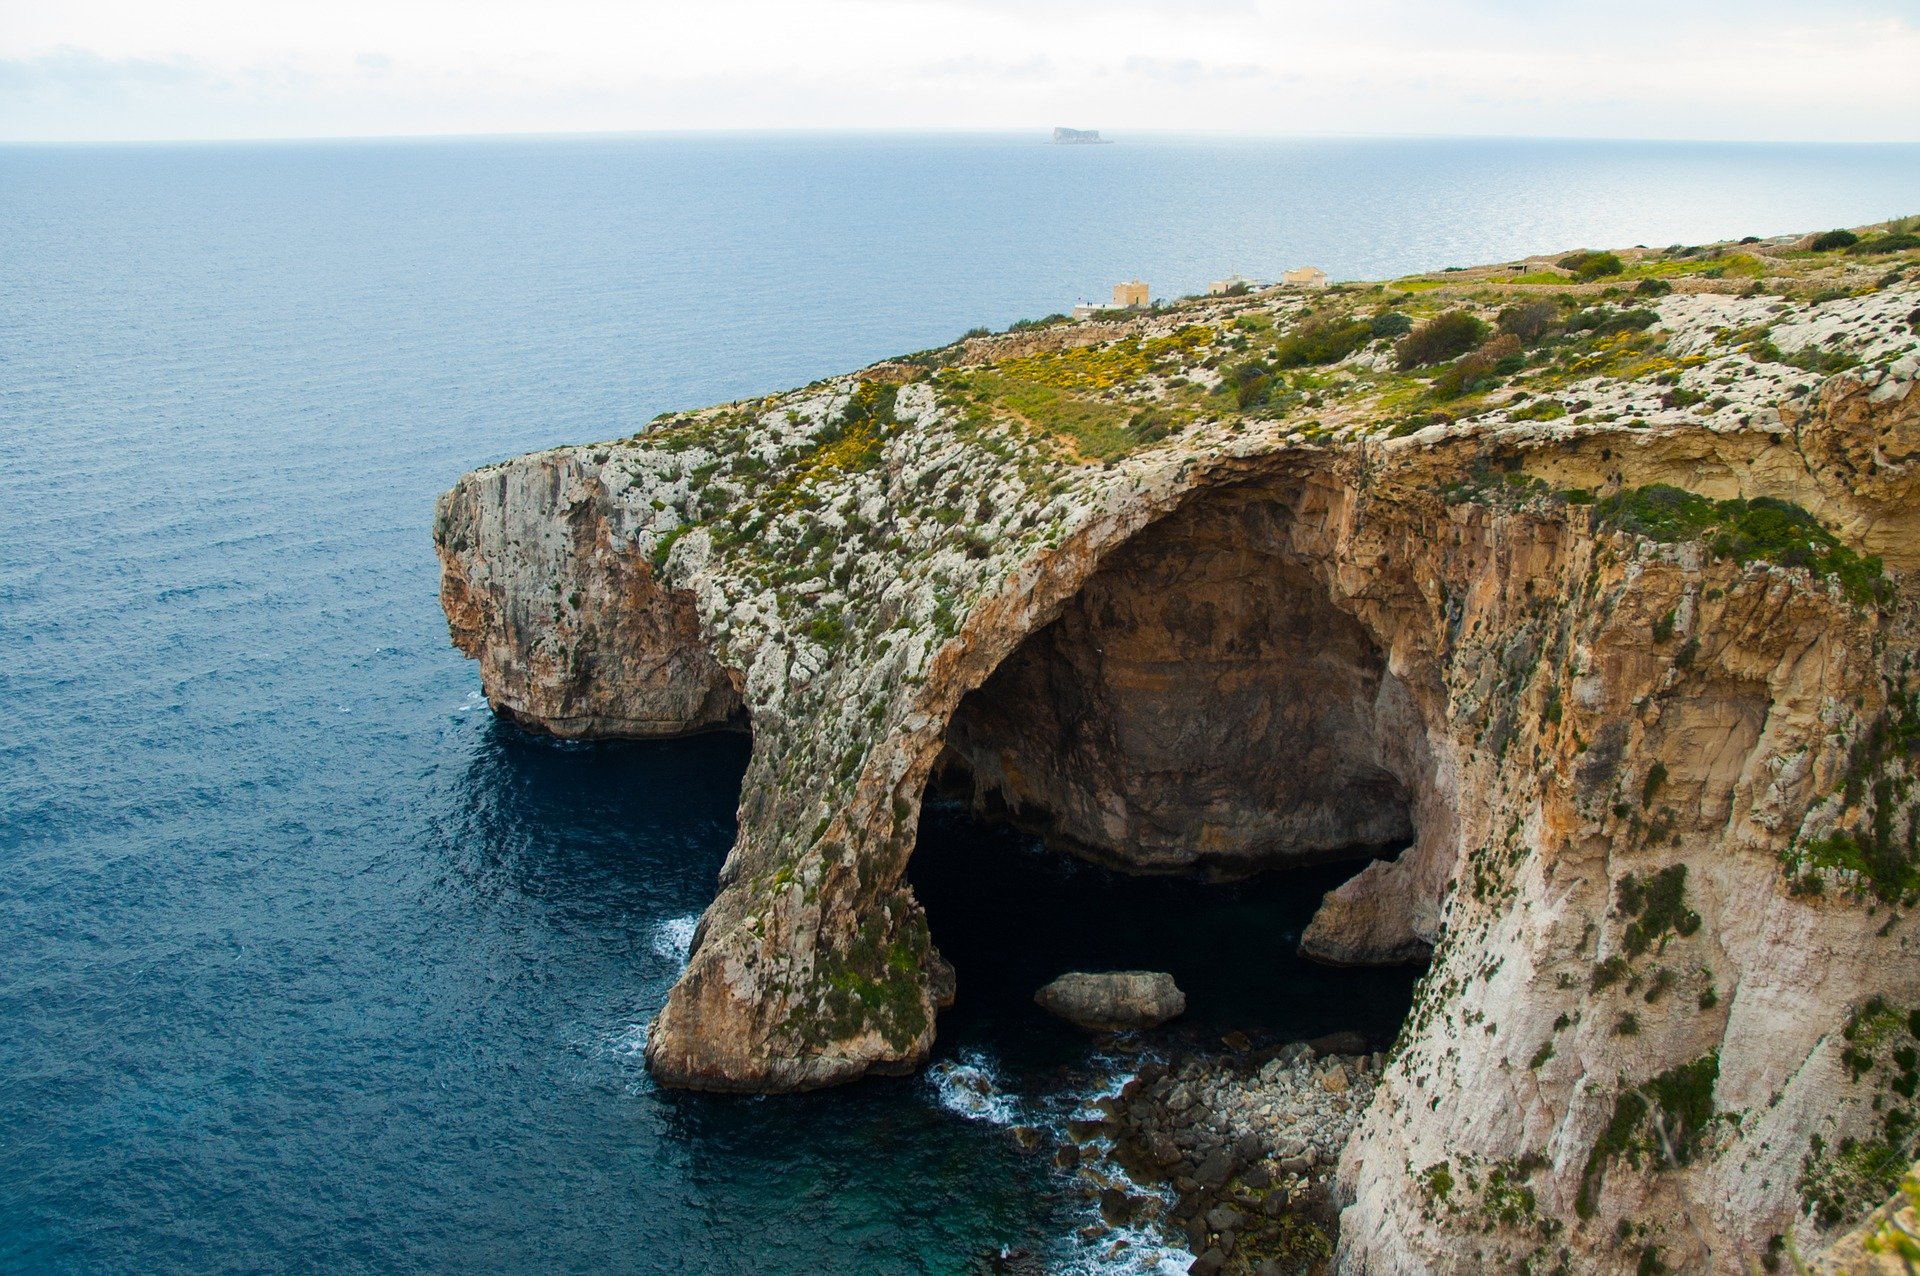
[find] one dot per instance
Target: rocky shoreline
(1228, 1155)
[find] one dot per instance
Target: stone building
(1131, 295)
(1305, 277)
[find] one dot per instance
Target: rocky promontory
(1589, 578)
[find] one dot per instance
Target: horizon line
(1040, 134)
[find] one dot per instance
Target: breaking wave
(969, 1086)
(673, 938)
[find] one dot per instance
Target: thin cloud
(1038, 67)
(74, 70)
(102, 69)
(1194, 71)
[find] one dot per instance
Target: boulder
(1113, 999)
(1118, 1208)
(1338, 1043)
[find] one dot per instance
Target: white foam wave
(630, 1042)
(1125, 1250)
(673, 938)
(1100, 1250)
(967, 1085)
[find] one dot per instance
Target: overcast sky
(126, 69)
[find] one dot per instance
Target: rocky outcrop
(1380, 916)
(1655, 755)
(1106, 1001)
(573, 633)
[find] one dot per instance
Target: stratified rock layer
(1660, 793)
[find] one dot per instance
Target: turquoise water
(304, 961)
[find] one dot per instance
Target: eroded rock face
(1200, 702)
(1639, 776)
(543, 586)
(1109, 1000)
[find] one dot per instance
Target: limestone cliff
(1603, 598)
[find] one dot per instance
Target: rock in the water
(1117, 1208)
(1338, 1043)
(1113, 999)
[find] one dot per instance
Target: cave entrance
(1010, 915)
(1170, 775)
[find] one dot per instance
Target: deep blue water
(304, 961)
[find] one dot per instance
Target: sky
(1812, 70)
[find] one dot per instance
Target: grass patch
(1098, 430)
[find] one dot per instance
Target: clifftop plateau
(1590, 577)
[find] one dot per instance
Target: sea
(308, 963)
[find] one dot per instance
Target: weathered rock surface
(573, 634)
(1113, 999)
(1660, 788)
(1199, 703)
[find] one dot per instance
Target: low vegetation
(1663, 1122)
(1760, 530)
(1590, 266)
(1443, 337)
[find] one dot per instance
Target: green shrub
(1443, 337)
(1682, 1100)
(1834, 239)
(1656, 776)
(1885, 244)
(1530, 321)
(1652, 288)
(1463, 376)
(1658, 906)
(1604, 321)
(1590, 266)
(1540, 410)
(1321, 341)
(1250, 384)
(1151, 424)
(1807, 358)
(1390, 323)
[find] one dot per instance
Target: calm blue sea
(307, 963)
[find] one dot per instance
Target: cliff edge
(1592, 577)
